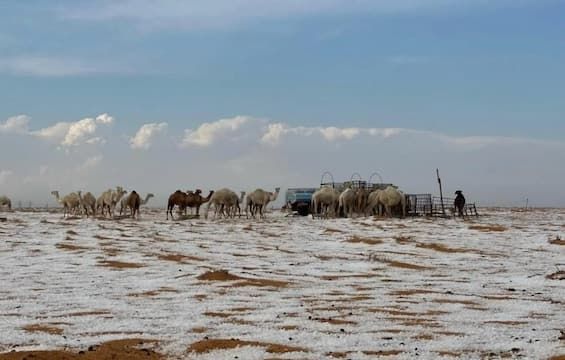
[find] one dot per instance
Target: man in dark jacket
(459, 202)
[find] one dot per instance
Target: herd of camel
(76, 203)
(326, 202)
(226, 202)
(330, 202)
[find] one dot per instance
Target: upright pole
(440, 193)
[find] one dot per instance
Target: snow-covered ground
(350, 288)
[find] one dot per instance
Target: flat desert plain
(283, 288)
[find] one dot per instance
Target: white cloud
(16, 125)
(144, 136)
(104, 119)
(55, 132)
(385, 132)
(69, 134)
(333, 133)
(274, 134)
(78, 132)
(96, 141)
(208, 133)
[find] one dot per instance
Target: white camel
(239, 201)
(70, 202)
(327, 199)
(258, 201)
(87, 202)
(222, 199)
(347, 202)
(109, 199)
(124, 202)
(232, 207)
(5, 202)
(116, 197)
(372, 203)
(391, 197)
(361, 196)
(100, 201)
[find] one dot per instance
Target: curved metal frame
(358, 175)
(330, 174)
(373, 174)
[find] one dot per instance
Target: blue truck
(298, 200)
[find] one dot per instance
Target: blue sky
(460, 68)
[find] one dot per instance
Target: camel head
(459, 192)
(209, 195)
(150, 195)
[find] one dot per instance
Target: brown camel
(195, 200)
(133, 201)
(178, 198)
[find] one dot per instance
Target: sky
(159, 96)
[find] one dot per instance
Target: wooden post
(440, 192)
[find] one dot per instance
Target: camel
(116, 196)
(195, 200)
(222, 199)
(372, 203)
(133, 201)
(5, 201)
(100, 200)
(240, 201)
(178, 198)
(459, 202)
(124, 202)
(234, 207)
(347, 202)
(70, 202)
(391, 197)
(259, 199)
(361, 198)
(87, 202)
(326, 199)
(109, 199)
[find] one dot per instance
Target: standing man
(459, 202)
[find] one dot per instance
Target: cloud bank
(65, 134)
(245, 152)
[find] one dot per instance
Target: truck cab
(299, 199)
